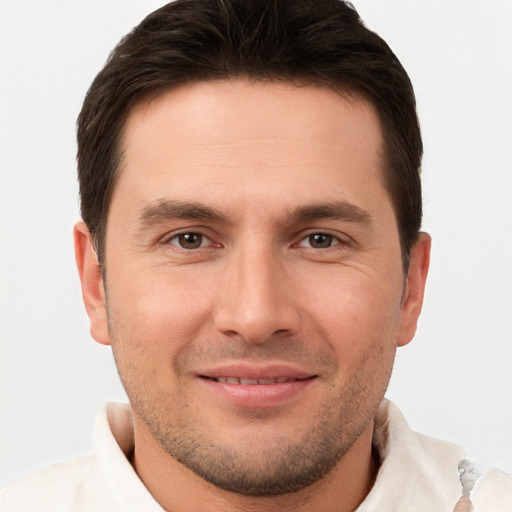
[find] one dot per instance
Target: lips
(246, 382)
(251, 374)
(249, 386)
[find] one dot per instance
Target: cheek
(361, 328)
(161, 312)
(356, 313)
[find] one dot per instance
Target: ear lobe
(412, 299)
(93, 291)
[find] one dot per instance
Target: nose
(255, 298)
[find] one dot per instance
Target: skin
(288, 263)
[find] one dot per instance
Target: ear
(93, 291)
(412, 299)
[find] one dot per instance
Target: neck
(177, 488)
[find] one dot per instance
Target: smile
(256, 389)
(249, 382)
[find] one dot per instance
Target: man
(249, 177)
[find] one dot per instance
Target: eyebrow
(339, 210)
(165, 209)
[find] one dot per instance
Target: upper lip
(246, 371)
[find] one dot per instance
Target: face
(254, 288)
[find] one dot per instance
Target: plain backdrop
(454, 381)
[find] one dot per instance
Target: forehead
(252, 136)
(252, 108)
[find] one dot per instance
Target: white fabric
(104, 481)
(417, 474)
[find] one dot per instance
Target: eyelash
(177, 236)
(334, 240)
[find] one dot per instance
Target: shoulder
(493, 492)
(56, 488)
(79, 484)
(422, 473)
(96, 482)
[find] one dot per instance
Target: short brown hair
(322, 42)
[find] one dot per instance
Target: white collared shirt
(417, 474)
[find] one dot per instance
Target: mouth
(252, 382)
(250, 387)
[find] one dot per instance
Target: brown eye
(189, 240)
(320, 240)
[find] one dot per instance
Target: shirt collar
(114, 442)
(416, 472)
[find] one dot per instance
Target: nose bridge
(255, 301)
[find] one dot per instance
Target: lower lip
(258, 396)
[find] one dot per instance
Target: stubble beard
(284, 466)
(281, 468)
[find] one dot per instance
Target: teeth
(248, 382)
